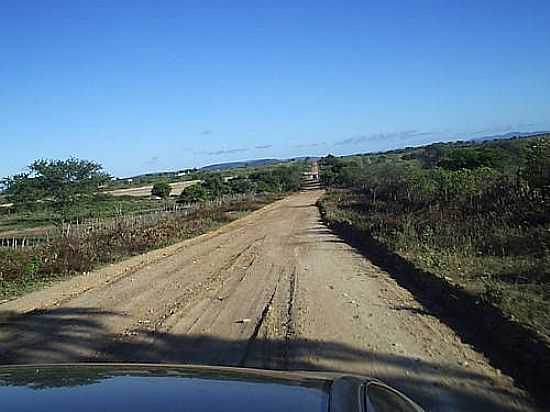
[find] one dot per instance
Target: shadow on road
(77, 335)
(505, 343)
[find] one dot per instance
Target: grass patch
(102, 205)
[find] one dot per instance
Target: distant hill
(252, 163)
(244, 163)
(151, 178)
(313, 158)
(508, 135)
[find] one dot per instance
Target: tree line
(65, 185)
(275, 180)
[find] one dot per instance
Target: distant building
(185, 172)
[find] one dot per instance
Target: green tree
(431, 155)
(471, 158)
(266, 181)
(215, 186)
(63, 182)
(537, 170)
(193, 194)
(331, 167)
(162, 190)
(241, 185)
(350, 175)
(289, 178)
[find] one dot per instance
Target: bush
(487, 228)
(537, 170)
(241, 185)
(215, 186)
(193, 194)
(15, 264)
(162, 190)
(280, 179)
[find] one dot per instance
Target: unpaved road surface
(275, 289)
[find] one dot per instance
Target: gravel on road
(275, 289)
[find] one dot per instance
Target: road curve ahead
(276, 289)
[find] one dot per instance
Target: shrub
(215, 186)
(162, 190)
(487, 228)
(193, 194)
(241, 185)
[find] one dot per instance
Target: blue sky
(157, 85)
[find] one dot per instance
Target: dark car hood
(139, 388)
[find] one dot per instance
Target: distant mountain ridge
(243, 163)
(251, 163)
(507, 135)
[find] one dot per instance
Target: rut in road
(276, 289)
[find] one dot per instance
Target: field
(29, 222)
(144, 191)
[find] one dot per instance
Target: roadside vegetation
(161, 190)
(34, 208)
(87, 228)
(477, 214)
(72, 252)
(44, 216)
(279, 179)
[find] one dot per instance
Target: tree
(193, 194)
(63, 182)
(350, 175)
(537, 170)
(266, 181)
(289, 178)
(331, 168)
(215, 186)
(162, 190)
(471, 158)
(431, 155)
(241, 185)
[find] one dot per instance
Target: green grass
(24, 220)
(15, 288)
(100, 207)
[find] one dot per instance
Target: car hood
(159, 388)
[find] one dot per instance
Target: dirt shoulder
(275, 289)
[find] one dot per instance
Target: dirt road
(275, 289)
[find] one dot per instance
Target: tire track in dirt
(276, 289)
(181, 305)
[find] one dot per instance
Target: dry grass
(65, 254)
(505, 265)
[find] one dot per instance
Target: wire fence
(133, 220)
